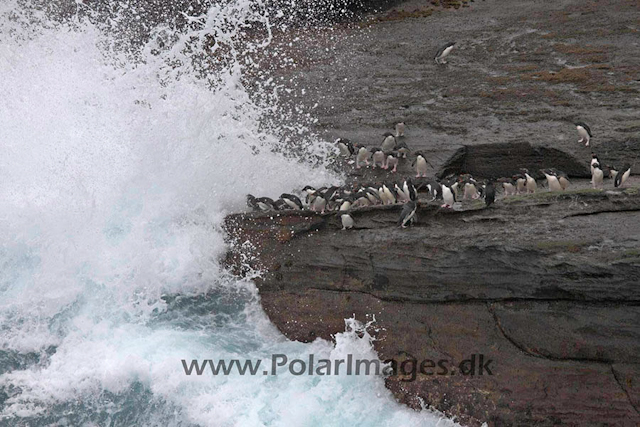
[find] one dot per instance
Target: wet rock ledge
(545, 285)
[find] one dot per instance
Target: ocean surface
(118, 163)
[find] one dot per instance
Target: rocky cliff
(545, 286)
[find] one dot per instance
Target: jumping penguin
(347, 220)
(346, 147)
(292, 201)
(622, 176)
(262, 204)
(443, 52)
(408, 214)
(584, 132)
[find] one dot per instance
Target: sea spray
(117, 167)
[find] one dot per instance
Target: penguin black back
(489, 194)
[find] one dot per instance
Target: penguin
(489, 193)
(420, 164)
(400, 129)
(552, 180)
(613, 171)
(405, 192)
(594, 159)
(409, 189)
(389, 142)
(563, 179)
(374, 196)
(597, 175)
(346, 204)
(622, 176)
(388, 194)
(293, 202)
(312, 193)
(262, 204)
(347, 220)
(433, 188)
(346, 147)
(408, 214)
(319, 202)
(531, 185)
(391, 162)
(331, 195)
(361, 199)
(584, 132)
(521, 183)
(362, 156)
(470, 188)
(308, 190)
(377, 158)
(402, 149)
(508, 185)
(447, 196)
(443, 52)
(281, 205)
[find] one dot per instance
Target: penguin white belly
(347, 221)
(520, 184)
(597, 178)
(421, 167)
(564, 182)
(582, 132)
(388, 144)
(531, 184)
(378, 159)
(509, 189)
(362, 157)
(554, 184)
(390, 198)
(319, 204)
(625, 176)
(470, 192)
(400, 129)
(392, 162)
(344, 151)
(447, 196)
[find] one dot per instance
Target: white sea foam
(112, 189)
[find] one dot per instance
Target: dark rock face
(544, 286)
(505, 159)
(521, 71)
